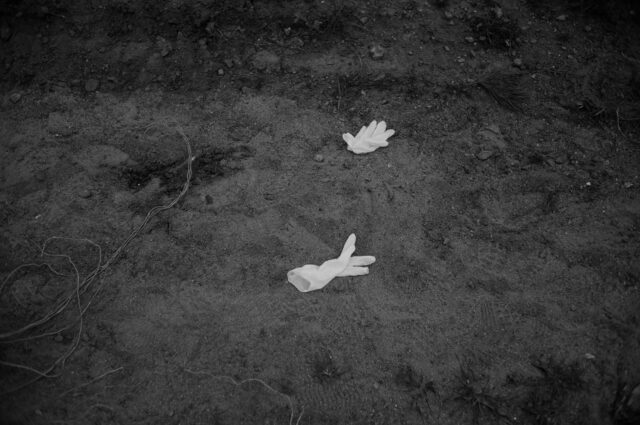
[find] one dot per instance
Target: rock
(91, 85)
(5, 33)
(588, 28)
(469, 39)
(266, 61)
(560, 158)
(517, 62)
(492, 137)
(376, 52)
(221, 72)
(58, 125)
(15, 97)
(84, 193)
(318, 158)
(210, 28)
(448, 15)
(96, 157)
(229, 63)
(561, 18)
(164, 46)
(484, 155)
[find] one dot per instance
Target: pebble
(561, 18)
(15, 97)
(448, 15)
(220, 72)
(484, 155)
(164, 46)
(376, 52)
(517, 62)
(267, 61)
(447, 48)
(588, 28)
(91, 85)
(469, 39)
(318, 158)
(229, 63)
(84, 193)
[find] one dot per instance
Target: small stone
(448, 15)
(447, 48)
(15, 97)
(266, 61)
(560, 158)
(91, 85)
(164, 46)
(376, 52)
(318, 158)
(221, 72)
(229, 63)
(517, 62)
(484, 155)
(561, 18)
(210, 28)
(5, 33)
(469, 39)
(588, 28)
(84, 193)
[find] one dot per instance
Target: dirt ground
(504, 213)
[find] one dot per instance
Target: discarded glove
(369, 138)
(310, 278)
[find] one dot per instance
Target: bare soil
(504, 214)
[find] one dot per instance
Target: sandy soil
(504, 214)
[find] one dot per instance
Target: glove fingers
(349, 248)
(353, 271)
(362, 260)
(347, 137)
(382, 126)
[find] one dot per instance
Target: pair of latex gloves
(311, 277)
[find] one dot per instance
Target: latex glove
(310, 277)
(369, 138)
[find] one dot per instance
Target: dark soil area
(165, 163)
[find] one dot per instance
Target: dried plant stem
(261, 382)
(81, 285)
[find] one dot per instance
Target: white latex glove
(369, 138)
(310, 277)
